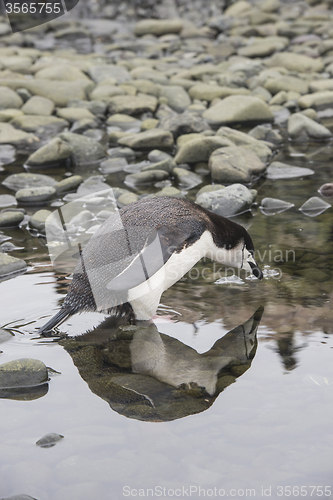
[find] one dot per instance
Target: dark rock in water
(10, 219)
(326, 190)
(272, 206)
(314, 206)
(23, 372)
(10, 265)
(49, 440)
(279, 170)
(21, 181)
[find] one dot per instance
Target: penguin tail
(57, 320)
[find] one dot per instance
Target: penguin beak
(256, 271)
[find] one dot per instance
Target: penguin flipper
(57, 320)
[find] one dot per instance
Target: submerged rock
(11, 218)
(314, 206)
(49, 440)
(326, 190)
(35, 195)
(23, 372)
(272, 206)
(85, 150)
(7, 200)
(279, 170)
(27, 180)
(53, 153)
(148, 177)
(10, 265)
(186, 179)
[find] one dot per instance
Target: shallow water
(270, 430)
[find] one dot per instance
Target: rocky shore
(161, 107)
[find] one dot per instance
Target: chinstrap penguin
(142, 250)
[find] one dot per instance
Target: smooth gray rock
(302, 128)
(38, 105)
(126, 199)
(234, 164)
(149, 177)
(113, 165)
(265, 132)
(166, 165)
(158, 27)
(27, 180)
(37, 220)
(69, 184)
(186, 178)
(98, 108)
(238, 109)
(10, 265)
(184, 123)
(124, 122)
(32, 123)
(35, 195)
(53, 153)
(231, 200)
(7, 154)
(11, 219)
(132, 104)
(150, 139)
(74, 114)
(272, 206)
(178, 98)
(200, 149)
(156, 155)
(9, 98)
(85, 150)
(10, 135)
(314, 206)
(102, 72)
(279, 170)
(23, 372)
(7, 200)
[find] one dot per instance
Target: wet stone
(69, 184)
(7, 200)
(156, 156)
(272, 206)
(166, 165)
(234, 164)
(35, 195)
(37, 220)
(150, 139)
(49, 440)
(200, 149)
(186, 179)
(279, 170)
(326, 190)
(56, 152)
(7, 154)
(314, 206)
(11, 265)
(27, 180)
(38, 105)
(11, 219)
(23, 372)
(32, 123)
(149, 177)
(113, 165)
(85, 150)
(228, 201)
(302, 128)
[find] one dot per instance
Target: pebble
(113, 165)
(126, 199)
(279, 170)
(23, 372)
(231, 200)
(85, 150)
(37, 220)
(185, 178)
(10, 135)
(234, 164)
(54, 153)
(272, 206)
(35, 195)
(27, 180)
(314, 206)
(149, 177)
(11, 219)
(31, 123)
(158, 27)
(7, 200)
(132, 105)
(9, 98)
(49, 440)
(238, 109)
(302, 128)
(11, 265)
(38, 105)
(200, 149)
(150, 139)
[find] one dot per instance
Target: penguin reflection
(147, 375)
